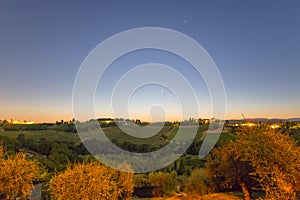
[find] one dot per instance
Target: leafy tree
(60, 156)
(197, 183)
(260, 155)
(11, 146)
(140, 180)
(166, 181)
(21, 138)
(226, 169)
(179, 166)
(16, 175)
(275, 158)
(44, 147)
(91, 181)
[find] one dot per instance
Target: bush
(196, 183)
(167, 182)
(91, 181)
(258, 158)
(16, 175)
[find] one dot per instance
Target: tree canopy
(16, 175)
(91, 181)
(258, 158)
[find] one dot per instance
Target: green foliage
(166, 181)
(54, 150)
(49, 135)
(16, 175)
(11, 145)
(136, 144)
(92, 181)
(66, 127)
(141, 180)
(295, 134)
(226, 169)
(60, 156)
(275, 158)
(197, 183)
(258, 155)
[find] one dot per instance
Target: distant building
(249, 124)
(205, 121)
(105, 120)
(274, 126)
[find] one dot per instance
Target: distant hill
(273, 120)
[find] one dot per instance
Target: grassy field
(48, 135)
(113, 133)
(162, 138)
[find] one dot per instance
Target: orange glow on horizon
(21, 122)
(68, 117)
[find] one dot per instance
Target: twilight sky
(255, 44)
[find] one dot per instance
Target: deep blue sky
(255, 44)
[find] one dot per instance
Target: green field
(64, 146)
(165, 135)
(48, 135)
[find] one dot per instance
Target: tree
(275, 158)
(60, 156)
(91, 181)
(16, 175)
(21, 138)
(260, 155)
(167, 182)
(226, 169)
(5, 122)
(141, 180)
(196, 183)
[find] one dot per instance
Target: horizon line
(177, 120)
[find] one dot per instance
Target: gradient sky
(255, 44)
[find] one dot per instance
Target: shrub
(196, 183)
(16, 175)
(167, 182)
(91, 181)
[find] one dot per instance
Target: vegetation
(91, 181)
(16, 175)
(197, 183)
(226, 169)
(166, 183)
(258, 158)
(247, 159)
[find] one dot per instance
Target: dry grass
(221, 196)
(217, 196)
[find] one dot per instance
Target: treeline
(66, 127)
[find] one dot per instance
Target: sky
(255, 45)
